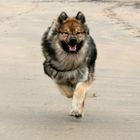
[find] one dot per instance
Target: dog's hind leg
(65, 90)
(79, 97)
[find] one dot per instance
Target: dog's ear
(63, 16)
(80, 16)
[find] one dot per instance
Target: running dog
(70, 54)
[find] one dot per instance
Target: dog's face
(72, 32)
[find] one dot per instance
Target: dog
(70, 54)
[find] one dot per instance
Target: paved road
(31, 107)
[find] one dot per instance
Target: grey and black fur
(72, 71)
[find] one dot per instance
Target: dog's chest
(72, 77)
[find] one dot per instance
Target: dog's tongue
(72, 48)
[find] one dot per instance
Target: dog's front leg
(65, 90)
(79, 97)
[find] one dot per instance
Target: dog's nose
(72, 40)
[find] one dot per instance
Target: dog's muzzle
(72, 44)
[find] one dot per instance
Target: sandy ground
(31, 108)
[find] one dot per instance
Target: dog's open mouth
(72, 48)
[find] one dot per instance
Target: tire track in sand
(110, 13)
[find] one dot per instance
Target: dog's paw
(77, 109)
(76, 114)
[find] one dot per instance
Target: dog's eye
(66, 33)
(78, 33)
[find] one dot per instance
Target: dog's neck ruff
(63, 70)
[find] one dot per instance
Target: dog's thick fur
(70, 55)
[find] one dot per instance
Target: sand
(31, 107)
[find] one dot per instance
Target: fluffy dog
(70, 54)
